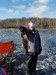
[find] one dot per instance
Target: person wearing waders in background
(33, 48)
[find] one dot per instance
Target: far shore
(36, 28)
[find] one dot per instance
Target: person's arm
(38, 43)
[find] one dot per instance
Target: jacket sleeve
(38, 46)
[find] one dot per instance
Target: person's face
(31, 28)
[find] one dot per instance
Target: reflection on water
(46, 64)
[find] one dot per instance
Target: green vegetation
(40, 22)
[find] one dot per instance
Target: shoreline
(36, 28)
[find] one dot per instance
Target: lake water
(46, 64)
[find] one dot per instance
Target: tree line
(39, 22)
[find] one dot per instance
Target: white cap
(31, 25)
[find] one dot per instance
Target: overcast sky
(27, 8)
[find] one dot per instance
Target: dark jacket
(34, 42)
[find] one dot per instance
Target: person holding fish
(32, 45)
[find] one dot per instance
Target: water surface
(46, 64)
